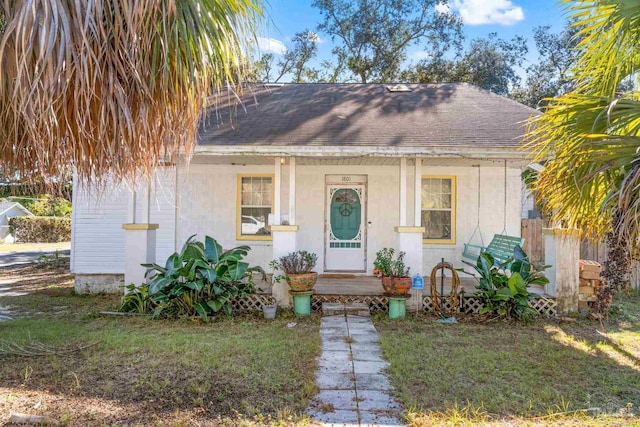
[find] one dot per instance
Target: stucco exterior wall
(207, 201)
(492, 209)
(207, 206)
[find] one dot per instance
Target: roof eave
(490, 152)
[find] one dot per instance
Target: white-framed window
(255, 203)
(439, 209)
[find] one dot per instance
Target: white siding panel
(97, 234)
(163, 212)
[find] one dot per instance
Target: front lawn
(496, 371)
(144, 371)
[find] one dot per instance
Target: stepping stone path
(354, 391)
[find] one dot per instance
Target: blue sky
(508, 18)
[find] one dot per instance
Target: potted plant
(298, 270)
(395, 275)
(382, 264)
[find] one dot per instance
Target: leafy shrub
(45, 205)
(137, 300)
(398, 268)
(299, 262)
(384, 261)
(503, 289)
(40, 229)
(388, 266)
(201, 279)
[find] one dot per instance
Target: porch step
(340, 309)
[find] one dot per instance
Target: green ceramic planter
(397, 308)
(302, 303)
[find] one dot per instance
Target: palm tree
(112, 87)
(590, 138)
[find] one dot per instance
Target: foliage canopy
(373, 35)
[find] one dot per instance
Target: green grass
(154, 371)
(500, 370)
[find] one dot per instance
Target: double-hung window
(255, 203)
(439, 209)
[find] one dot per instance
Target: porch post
(403, 191)
(140, 239)
(277, 191)
(417, 194)
(284, 236)
(292, 190)
(409, 238)
(562, 252)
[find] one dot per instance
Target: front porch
(370, 285)
(367, 289)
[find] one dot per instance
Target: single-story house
(9, 210)
(342, 170)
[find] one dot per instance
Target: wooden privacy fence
(533, 240)
(534, 247)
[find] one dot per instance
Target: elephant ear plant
(503, 289)
(202, 279)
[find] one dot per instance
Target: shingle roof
(450, 114)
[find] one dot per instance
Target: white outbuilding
(9, 210)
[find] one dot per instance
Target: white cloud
(480, 12)
(443, 8)
(419, 55)
(268, 45)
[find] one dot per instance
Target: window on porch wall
(255, 203)
(439, 209)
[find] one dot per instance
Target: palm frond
(113, 88)
(590, 145)
(608, 51)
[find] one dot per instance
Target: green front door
(346, 215)
(345, 228)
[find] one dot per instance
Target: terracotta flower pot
(396, 286)
(302, 282)
(386, 284)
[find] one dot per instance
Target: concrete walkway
(354, 391)
(24, 253)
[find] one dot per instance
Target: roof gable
(6, 206)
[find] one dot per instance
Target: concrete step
(340, 309)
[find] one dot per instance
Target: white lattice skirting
(252, 302)
(379, 303)
(469, 304)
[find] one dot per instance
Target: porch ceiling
(364, 160)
